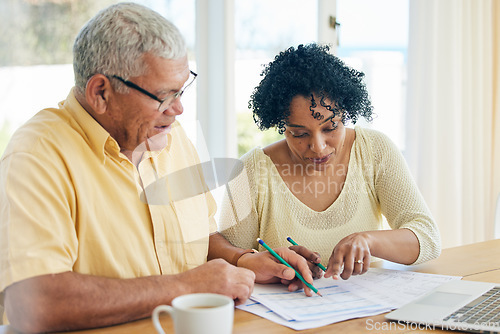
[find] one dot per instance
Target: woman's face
(313, 142)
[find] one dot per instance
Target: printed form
(377, 291)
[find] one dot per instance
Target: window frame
(215, 58)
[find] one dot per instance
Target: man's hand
(77, 301)
(218, 276)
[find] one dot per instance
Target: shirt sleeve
(37, 230)
(400, 200)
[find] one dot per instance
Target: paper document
(262, 311)
(377, 291)
(337, 300)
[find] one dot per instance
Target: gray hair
(114, 41)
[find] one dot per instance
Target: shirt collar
(96, 136)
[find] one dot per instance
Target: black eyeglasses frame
(171, 97)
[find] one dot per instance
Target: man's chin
(154, 143)
(159, 140)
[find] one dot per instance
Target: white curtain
(453, 119)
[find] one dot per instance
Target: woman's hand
(351, 256)
(268, 269)
(311, 258)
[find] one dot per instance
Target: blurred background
(37, 36)
(432, 71)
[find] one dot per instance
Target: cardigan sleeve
(400, 199)
(239, 221)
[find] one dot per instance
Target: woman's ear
(97, 93)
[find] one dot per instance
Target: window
(262, 30)
(373, 38)
(37, 37)
(36, 43)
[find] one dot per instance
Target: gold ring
(359, 261)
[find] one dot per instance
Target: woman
(326, 185)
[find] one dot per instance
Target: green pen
(294, 243)
(310, 286)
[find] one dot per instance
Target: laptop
(456, 305)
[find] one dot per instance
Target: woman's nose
(317, 144)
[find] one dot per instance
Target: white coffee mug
(196, 313)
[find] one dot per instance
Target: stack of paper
(377, 291)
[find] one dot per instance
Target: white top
(378, 182)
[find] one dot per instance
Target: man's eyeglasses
(166, 102)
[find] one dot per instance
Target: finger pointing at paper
(351, 256)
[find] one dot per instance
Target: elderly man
(83, 243)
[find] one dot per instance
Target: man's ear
(97, 93)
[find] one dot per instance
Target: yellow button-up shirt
(70, 201)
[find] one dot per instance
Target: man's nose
(175, 109)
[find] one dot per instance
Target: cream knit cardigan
(378, 182)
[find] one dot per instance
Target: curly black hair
(303, 71)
